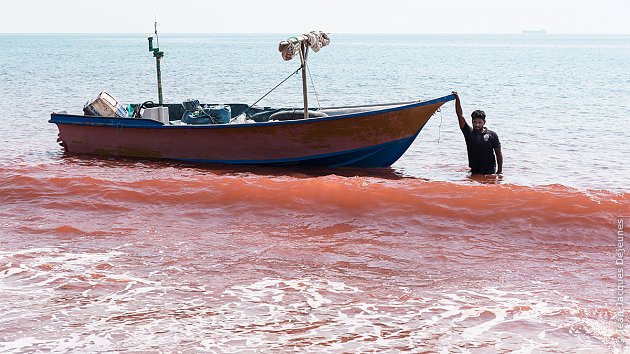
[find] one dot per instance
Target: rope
(265, 95)
(319, 106)
(440, 126)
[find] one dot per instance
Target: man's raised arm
(458, 110)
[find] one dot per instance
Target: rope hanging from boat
(440, 126)
(319, 106)
(275, 87)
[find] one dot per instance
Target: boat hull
(374, 138)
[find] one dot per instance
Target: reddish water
(125, 255)
(99, 255)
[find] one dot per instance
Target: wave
(226, 248)
(119, 189)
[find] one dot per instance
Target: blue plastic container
(221, 114)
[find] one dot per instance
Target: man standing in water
(482, 144)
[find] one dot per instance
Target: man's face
(478, 124)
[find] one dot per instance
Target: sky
(335, 16)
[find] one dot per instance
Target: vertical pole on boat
(159, 79)
(303, 56)
(158, 55)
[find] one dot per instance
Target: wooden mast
(289, 48)
(303, 57)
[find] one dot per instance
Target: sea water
(121, 254)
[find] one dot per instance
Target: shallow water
(115, 254)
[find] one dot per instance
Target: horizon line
(354, 33)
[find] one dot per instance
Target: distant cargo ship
(540, 31)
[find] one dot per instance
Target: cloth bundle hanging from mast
(314, 39)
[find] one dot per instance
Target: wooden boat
(367, 136)
(358, 136)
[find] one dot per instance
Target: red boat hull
(369, 139)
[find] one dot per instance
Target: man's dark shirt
(480, 148)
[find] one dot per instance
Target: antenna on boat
(158, 55)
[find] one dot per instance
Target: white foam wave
(74, 303)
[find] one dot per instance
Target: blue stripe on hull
(383, 155)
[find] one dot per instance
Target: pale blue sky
(283, 16)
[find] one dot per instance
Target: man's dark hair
(479, 114)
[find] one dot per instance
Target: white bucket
(159, 114)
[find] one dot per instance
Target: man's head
(478, 120)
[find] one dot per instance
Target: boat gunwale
(124, 122)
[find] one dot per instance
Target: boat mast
(303, 56)
(289, 49)
(158, 55)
